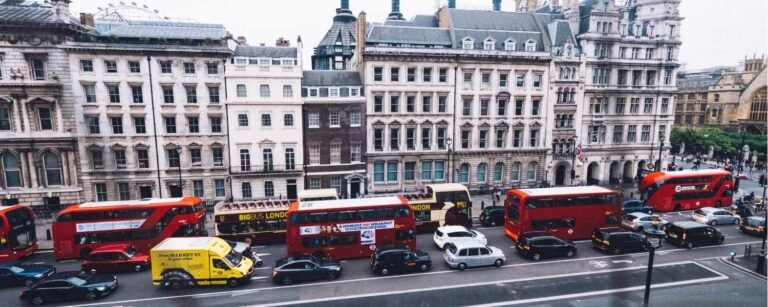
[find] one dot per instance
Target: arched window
(759, 109)
(464, 173)
(11, 170)
(52, 169)
(562, 73)
(482, 170)
(498, 172)
(532, 171)
(515, 176)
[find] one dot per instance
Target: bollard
(482, 205)
(733, 254)
(631, 194)
(48, 234)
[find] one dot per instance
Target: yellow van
(203, 261)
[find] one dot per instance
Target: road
(589, 279)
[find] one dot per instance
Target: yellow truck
(201, 261)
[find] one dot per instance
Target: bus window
(367, 214)
(423, 216)
(346, 216)
(402, 212)
(404, 235)
(513, 214)
(314, 242)
(385, 213)
(299, 218)
(319, 217)
(343, 239)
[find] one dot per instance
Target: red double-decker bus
(349, 228)
(142, 223)
(567, 212)
(687, 190)
(18, 236)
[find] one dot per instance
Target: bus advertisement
(18, 236)
(687, 190)
(262, 221)
(439, 205)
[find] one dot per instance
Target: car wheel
(570, 254)
(616, 251)
(232, 283)
(37, 300)
(331, 275)
(736, 221)
(640, 229)
(137, 268)
(689, 245)
(498, 263)
(536, 257)
(713, 223)
(384, 271)
(286, 280)
(424, 267)
(462, 266)
(720, 241)
(90, 296)
(493, 223)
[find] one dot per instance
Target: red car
(116, 258)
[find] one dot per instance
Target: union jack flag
(581, 154)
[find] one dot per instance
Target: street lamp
(573, 162)
(449, 142)
(661, 148)
(181, 183)
(653, 240)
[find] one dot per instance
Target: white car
(447, 234)
(714, 216)
(638, 221)
(466, 252)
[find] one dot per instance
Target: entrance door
(354, 187)
(145, 191)
(560, 175)
(175, 191)
(291, 186)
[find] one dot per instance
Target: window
(534, 139)
(335, 154)
(410, 104)
(411, 74)
(426, 104)
(500, 138)
(266, 155)
(634, 105)
(482, 171)
(439, 171)
(394, 138)
(662, 132)
(466, 109)
(314, 154)
(195, 155)
(314, 183)
(392, 171)
(622, 78)
(241, 91)
(218, 156)
(93, 124)
(394, 74)
(288, 120)
(467, 43)
(215, 124)
(465, 138)
(410, 138)
(378, 74)
(520, 80)
(650, 77)
(170, 124)
(213, 94)
(410, 170)
(600, 75)
(355, 153)
(246, 190)
(509, 46)
(97, 159)
(264, 90)
(120, 161)
(648, 106)
(189, 68)
(426, 170)
(174, 160)
(535, 107)
(620, 106)
(441, 134)
(517, 140)
(649, 53)
(242, 120)
(618, 134)
(110, 66)
(537, 80)
(290, 159)
(219, 189)
(519, 107)
(670, 53)
(378, 104)
(378, 171)
(665, 105)
(532, 171)
(123, 191)
(464, 173)
(484, 107)
(114, 93)
(134, 66)
(667, 76)
(334, 118)
(89, 90)
(442, 104)
(645, 137)
(632, 134)
(426, 138)
(142, 156)
(138, 94)
(52, 169)
(266, 120)
(498, 172)
(530, 46)
(197, 188)
(86, 65)
(489, 44)
(485, 79)
(37, 67)
(394, 104)
(354, 119)
(442, 75)
(314, 120)
(165, 67)
(194, 124)
(426, 74)
(468, 79)
(336, 185)
(168, 94)
(101, 191)
(117, 125)
(191, 91)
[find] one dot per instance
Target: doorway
(291, 187)
(560, 175)
(175, 190)
(145, 191)
(592, 171)
(354, 188)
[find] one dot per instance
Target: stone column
(25, 169)
(65, 169)
(349, 188)
(32, 169)
(18, 123)
(25, 115)
(59, 119)
(72, 168)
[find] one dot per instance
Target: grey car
(462, 253)
(714, 216)
(638, 221)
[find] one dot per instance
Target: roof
(318, 192)
(349, 203)
(186, 243)
(461, 243)
(691, 173)
(32, 15)
(427, 21)
(559, 191)
(331, 78)
(252, 206)
(409, 35)
(138, 202)
(162, 29)
(452, 228)
(443, 187)
(531, 24)
(11, 208)
(343, 32)
(688, 224)
(266, 52)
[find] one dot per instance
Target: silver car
(714, 216)
(638, 221)
(462, 253)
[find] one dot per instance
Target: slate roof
(331, 78)
(162, 29)
(425, 21)
(32, 15)
(560, 31)
(481, 24)
(409, 35)
(266, 52)
(344, 30)
(479, 37)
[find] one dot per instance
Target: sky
(711, 37)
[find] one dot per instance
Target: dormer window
(509, 45)
(467, 43)
(530, 45)
(568, 49)
(489, 44)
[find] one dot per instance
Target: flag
(580, 153)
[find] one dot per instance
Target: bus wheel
(84, 252)
(232, 283)
(462, 266)
(678, 207)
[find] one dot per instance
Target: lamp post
(661, 148)
(449, 142)
(653, 240)
(181, 183)
(573, 162)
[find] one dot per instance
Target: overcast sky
(715, 32)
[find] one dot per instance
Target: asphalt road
(605, 280)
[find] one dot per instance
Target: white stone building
(264, 113)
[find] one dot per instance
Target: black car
(618, 240)
(492, 216)
(753, 225)
(690, 234)
(399, 258)
(305, 268)
(22, 274)
(635, 205)
(537, 245)
(66, 286)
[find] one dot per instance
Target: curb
(741, 268)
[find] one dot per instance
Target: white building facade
(264, 113)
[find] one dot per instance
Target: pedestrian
(248, 252)
(498, 195)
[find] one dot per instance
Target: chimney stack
(87, 20)
(242, 41)
(497, 5)
(451, 4)
(282, 42)
(61, 9)
(395, 14)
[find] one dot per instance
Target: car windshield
(699, 211)
(317, 260)
(16, 269)
(755, 222)
(77, 281)
(233, 258)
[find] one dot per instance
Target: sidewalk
(747, 263)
